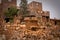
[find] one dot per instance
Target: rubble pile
(36, 26)
(16, 32)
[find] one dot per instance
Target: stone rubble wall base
(20, 32)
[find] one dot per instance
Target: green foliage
(11, 20)
(11, 12)
(23, 6)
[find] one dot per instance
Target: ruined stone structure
(5, 4)
(36, 26)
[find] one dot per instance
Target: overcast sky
(50, 5)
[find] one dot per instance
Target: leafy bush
(11, 12)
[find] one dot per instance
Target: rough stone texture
(18, 32)
(40, 27)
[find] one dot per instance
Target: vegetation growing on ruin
(23, 8)
(10, 13)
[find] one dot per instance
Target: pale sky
(50, 5)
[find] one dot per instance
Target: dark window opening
(55, 23)
(7, 19)
(8, 8)
(30, 16)
(17, 9)
(47, 18)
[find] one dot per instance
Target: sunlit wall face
(51, 5)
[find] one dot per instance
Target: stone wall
(32, 28)
(19, 31)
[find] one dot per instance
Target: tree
(10, 13)
(23, 6)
